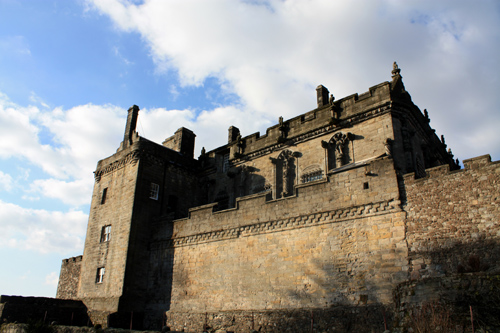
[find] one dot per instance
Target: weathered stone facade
(312, 219)
(69, 278)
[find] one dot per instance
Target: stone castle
(356, 206)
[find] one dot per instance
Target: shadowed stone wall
(454, 219)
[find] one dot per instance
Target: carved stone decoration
(426, 115)
(131, 158)
(240, 145)
(340, 141)
(395, 69)
(285, 173)
(388, 147)
(337, 149)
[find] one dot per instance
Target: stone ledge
(314, 219)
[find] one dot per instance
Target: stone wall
(373, 318)
(69, 278)
(334, 242)
(450, 298)
(454, 219)
(42, 309)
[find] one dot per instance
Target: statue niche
(284, 174)
(337, 150)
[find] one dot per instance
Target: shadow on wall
(457, 280)
(44, 310)
(344, 298)
(481, 255)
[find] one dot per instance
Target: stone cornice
(130, 158)
(302, 221)
(357, 118)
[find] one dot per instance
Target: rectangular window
(103, 197)
(153, 191)
(106, 233)
(100, 275)
(225, 162)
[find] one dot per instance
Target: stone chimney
(133, 113)
(182, 141)
(233, 133)
(322, 95)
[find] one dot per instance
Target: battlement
(475, 163)
(326, 118)
(348, 187)
(72, 259)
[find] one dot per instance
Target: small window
(106, 233)
(153, 191)
(312, 176)
(366, 186)
(103, 197)
(100, 275)
(225, 162)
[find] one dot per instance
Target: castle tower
(137, 185)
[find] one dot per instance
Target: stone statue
(332, 99)
(388, 147)
(395, 69)
(339, 140)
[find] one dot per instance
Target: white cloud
(75, 193)
(40, 230)
(52, 279)
(6, 182)
(37, 100)
(273, 54)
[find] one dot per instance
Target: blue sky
(69, 70)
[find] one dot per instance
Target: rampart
(453, 222)
(335, 242)
(69, 278)
(43, 309)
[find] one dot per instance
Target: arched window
(284, 174)
(338, 150)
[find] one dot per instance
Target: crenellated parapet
(473, 164)
(327, 118)
(73, 259)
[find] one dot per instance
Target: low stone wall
(43, 309)
(373, 318)
(454, 297)
(21, 328)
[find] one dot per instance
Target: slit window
(103, 196)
